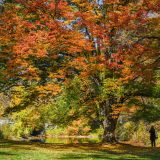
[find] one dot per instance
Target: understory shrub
(136, 132)
(78, 127)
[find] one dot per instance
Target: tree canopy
(91, 57)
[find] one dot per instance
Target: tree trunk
(109, 125)
(109, 122)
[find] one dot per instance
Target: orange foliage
(78, 127)
(91, 37)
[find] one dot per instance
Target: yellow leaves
(128, 63)
(77, 43)
(111, 1)
(17, 95)
(112, 84)
(123, 108)
(15, 100)
(118, 108)
(78, 63)
(57, 75)
(53, 89)
(84, 74)
(26, 118)
(31, 70)
(83, 5)
(127, 74)
(126, 71)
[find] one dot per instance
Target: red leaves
(93, 39)
(52, 6)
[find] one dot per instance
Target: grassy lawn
(35, 151)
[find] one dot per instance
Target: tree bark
(109, 125)
(109, 122)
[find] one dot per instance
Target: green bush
(141, 134)
(6, 132)
(125, 131)
(57, 131)
(1, 135)
(136, 132)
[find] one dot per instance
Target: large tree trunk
(109, 125)
(109, 122)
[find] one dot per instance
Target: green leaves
(112, 88)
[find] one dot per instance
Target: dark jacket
(152, 134)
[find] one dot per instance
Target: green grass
(35, 151)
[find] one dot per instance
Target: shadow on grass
(6, 154)
(106, 151)
(98, 151)
(15, 145)
(96, 157)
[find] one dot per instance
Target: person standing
(153, 136)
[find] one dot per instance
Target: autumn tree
(38, 68)
(109, 45)
(123, 60)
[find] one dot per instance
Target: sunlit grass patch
(38, 151)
